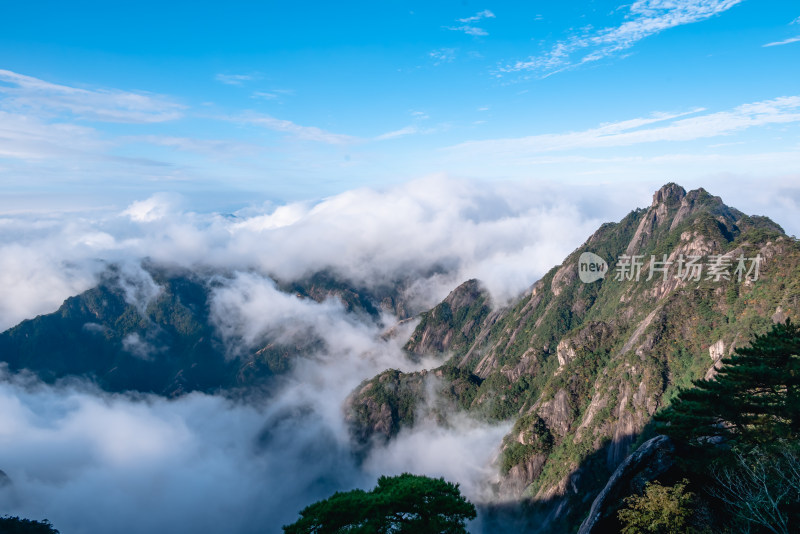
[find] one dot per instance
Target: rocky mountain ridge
(581, 368)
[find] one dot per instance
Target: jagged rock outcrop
(557, 413)
(587, 339)
(666, 202)
(716, 352)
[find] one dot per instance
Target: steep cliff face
(582, 367)
(453, 324)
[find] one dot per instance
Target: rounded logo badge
(591, 267)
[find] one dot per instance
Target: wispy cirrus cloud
(28, 138)
(402, 132)
(416, 128)
(234, 79)
(467, 26)
(784, 42)
(442, 55)
(657, 127)
(264, 95)
(305, 133)
(26, 93)
(485, 14)
(643, 19)
(220, 148)
(272, 94)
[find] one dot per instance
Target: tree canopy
(740, 432)
(406, 504)
(17, 525)
(754, 399)
(661, 510)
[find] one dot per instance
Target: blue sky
(103, 103)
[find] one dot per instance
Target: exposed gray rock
(779, 316)
(665, 200)
(557, 413)
(716, 352)
(652, 459)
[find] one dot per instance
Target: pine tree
(754, 399)
(401, 504)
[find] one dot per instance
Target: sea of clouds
(92, 462)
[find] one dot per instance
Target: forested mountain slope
(581, 368)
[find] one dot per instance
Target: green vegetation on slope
(596, 361)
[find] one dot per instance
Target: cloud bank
(430, 234)
(95, 462)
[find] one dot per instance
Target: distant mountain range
(168, 346)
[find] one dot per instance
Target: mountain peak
(670, 194)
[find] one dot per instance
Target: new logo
(591, 267)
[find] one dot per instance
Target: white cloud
(785, 41)
(155, 208)
(782, 110)
(249, 307)
(141, 348)
(644, 18)
(36, 279)
(91, 461)
(442, 55)
(265, 96)
(305, 133)
(411, 129)
(469, 30)
(137, 285)
(217, 148)
(506, 234)
(29, 138)
(467, 26)
(462, 451)
(408, 130)
(485, 14)
(234, 79)
(368, 237)
(111, 105)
